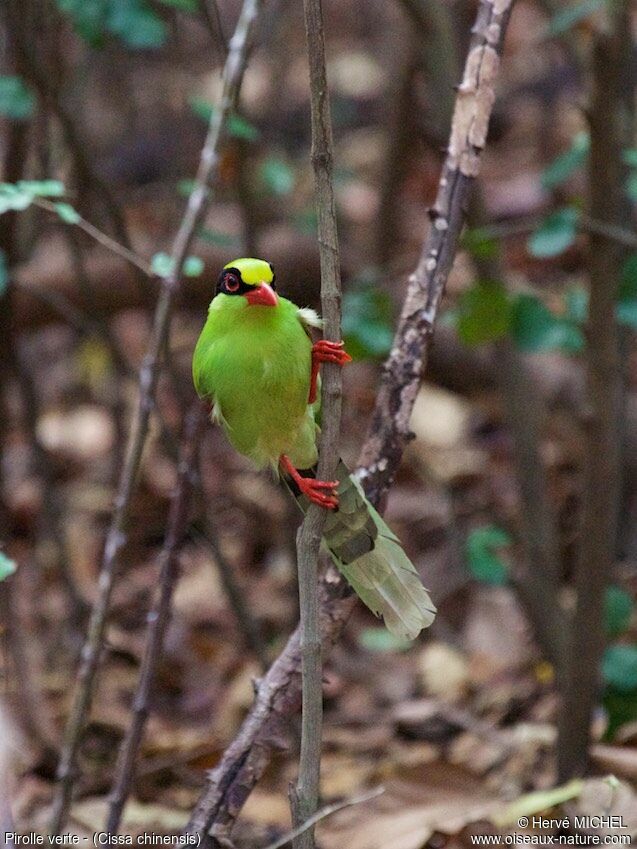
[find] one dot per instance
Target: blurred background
(111, 98)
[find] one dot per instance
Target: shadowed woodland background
(511, 440)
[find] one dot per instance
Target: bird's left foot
(326, 352)
(322, 493)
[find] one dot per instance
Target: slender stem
(102, 238)
(247, 757)
(148, 378)
(601, 482)
(159, 615)
(326, 811)
(390, 431)
(306, 795)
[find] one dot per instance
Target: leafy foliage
(182, 5)
(481, 550)
(381, 640)
(67, 213)
(276, 176)
(7, 566)
(619, 667)
(16, 100)
(566, 19)
(132, 21)
(4, 273)
(479, 243)
(568, 162)
(237, 126)
(555, 234)
(19, 196)
(618, 610)
(484, 313)
(367, 321)
(534, 328)
(163, 265)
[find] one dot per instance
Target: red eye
(232, 283)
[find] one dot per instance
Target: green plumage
(254, 364)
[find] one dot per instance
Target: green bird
(256, 365)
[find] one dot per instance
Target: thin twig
(601, 482)
(149, 375)
(535, 581)
(304, 798)
(326, 811)
(390, 431)
(100, 237)
(278, 695)
(248, 625)
(159, 615)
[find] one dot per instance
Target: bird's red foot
(326, 352)
(322, 493)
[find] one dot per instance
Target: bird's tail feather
(373, 561)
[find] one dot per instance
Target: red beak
(262, 295)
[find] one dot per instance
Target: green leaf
(536, 802)
(627, 302)
(568, 162)
(481, 552)
(162, 265)
(627, 313)
(7, 566)
(136, 24)
(19, 196)
(367, 321)
(567, 18)
(88, 18)
(484, 313)
(237, 126)
(132, 21)
(183, 5)
(631, 186)
(13, 198)
(621, 709)
(479, 243)
(16, 101)
(576, 302)
(619, 667)
(193, 266)
(42, 188)
(67, 213)
(535, 328)
(618, 610)
(277, 176)
(382, 640)
(555, 234)
(629, 157)
(628, 279)
(4, 273)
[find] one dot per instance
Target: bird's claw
(330, 352)
(325, 352)
(313, 489)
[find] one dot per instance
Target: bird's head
(250, 278)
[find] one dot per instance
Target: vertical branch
(599, 519)
(246, 758)
(159, 616)
(536, 581)
(306, 795)
(389, 432)
(148, 378)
